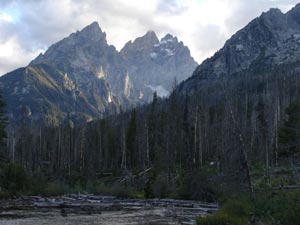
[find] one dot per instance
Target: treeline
(193, 139)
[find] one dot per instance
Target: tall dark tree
(3, 122)
(289, 133)
(130, 139)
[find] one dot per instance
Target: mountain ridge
(270, 39)
(100, 79)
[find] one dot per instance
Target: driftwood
(88, 204)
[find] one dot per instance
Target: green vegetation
(200, 184)
(43, 77)
(15, 181)
(233, 212)
(289, 133)
(269, 208)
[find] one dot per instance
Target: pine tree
(3, 119)
(289, 133)
(130, 138)
(3, 122)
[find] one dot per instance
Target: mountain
(69, 81)
(43, 94)
(267, 41)
(221, 131)
(245, 94)
(154, 65)
(85, 56)
(82, 77)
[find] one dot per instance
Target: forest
(235, 135)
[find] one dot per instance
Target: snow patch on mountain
(160, 90)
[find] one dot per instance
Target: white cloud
(12, 55)
(28, 27)
(5, 17)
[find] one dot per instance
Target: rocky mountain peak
(84, 75)
(145, 42)
(273, 12)
(150, 36)
(269, 40)
(154, 64)
(294, 15)
(92, 32)
(296, 8)
(79, 49)
(94, 26)
(150, 33)
(169, 38)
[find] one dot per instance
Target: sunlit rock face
(82, 77)
(155, 64)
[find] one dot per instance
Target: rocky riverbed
(91, 209)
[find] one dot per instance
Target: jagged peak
(93, 27)
(150, 32)
(169, 38)
(296, 8)
(294, 14)
(145, 42)
(92, 32)
(274, 11)
(89, 35)
(150, 36)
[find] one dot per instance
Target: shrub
(233, 212)
(56, 188)
(266, 208)
(4, 194)
(118, 190)
(198, 185)
(14, 178)
(285, 207)
(216, 219)
(38, 184)
(160, 186)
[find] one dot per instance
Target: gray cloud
(243, 12)
(208, 38)
(171, 7)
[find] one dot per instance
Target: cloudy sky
(28, 27)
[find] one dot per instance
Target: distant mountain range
(82, 77)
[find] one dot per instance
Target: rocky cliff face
(82, 77)
(85, 56)
(154, 65)
(43, 94)
(267, 41)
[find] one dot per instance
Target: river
(90, 209)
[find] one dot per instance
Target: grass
(233, 212)
(269, 208)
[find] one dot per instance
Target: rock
(82, 77)
(267, 41)
(154, 65)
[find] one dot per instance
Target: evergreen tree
(289, 133)
(130, 138)
(3, 122)
(3, 119)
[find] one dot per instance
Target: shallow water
(90, 209)
(157, 216)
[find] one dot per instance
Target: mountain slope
(154, 64)
(85, 56)
(271, 39)
(44, 94)
(82, 77)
